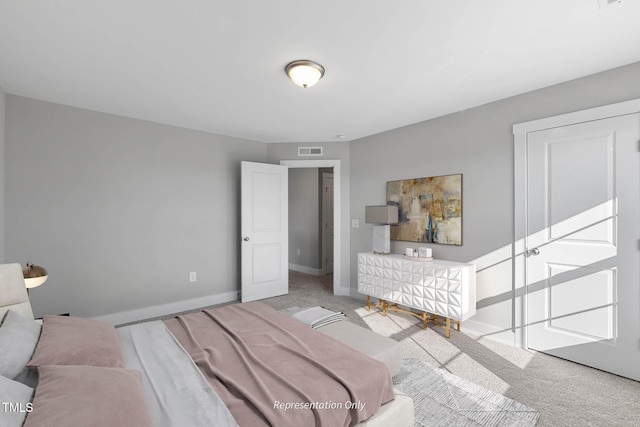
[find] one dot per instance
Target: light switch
(355, 223)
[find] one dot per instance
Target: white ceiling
(218, 65)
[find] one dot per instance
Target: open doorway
(310, 216)
(326, 219)
(321, 254)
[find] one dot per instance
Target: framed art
(429, 209)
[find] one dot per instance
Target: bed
(242, 364)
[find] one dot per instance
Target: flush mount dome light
(304, 73)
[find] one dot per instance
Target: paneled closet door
(583, 226)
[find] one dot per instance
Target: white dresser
(443, 291)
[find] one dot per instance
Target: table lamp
(383, 216)
(34, 275)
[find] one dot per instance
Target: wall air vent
(309, 151)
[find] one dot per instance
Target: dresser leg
(368, 302)
(448, 328)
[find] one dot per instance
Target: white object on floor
(316, 317)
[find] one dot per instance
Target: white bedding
(176, 392)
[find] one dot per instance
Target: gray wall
(479, 144)
(304, 218)
(2, 168)
(120, 210)
(334, 151)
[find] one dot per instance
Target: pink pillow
(74, 396)
(77, 341)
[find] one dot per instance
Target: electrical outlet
(298, 251)
(192, 276)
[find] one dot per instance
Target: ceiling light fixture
(304, 73)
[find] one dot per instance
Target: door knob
(534, 252)
(246, 239)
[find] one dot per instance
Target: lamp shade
(304, 73)
(34, 275)
(386, 214)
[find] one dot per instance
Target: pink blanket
(272, 370)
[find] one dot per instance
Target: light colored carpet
(443, 399)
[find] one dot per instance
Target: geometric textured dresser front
(439, 287)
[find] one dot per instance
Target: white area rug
(442, 399)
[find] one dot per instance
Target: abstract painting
(429, 209)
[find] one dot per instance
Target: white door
(327, 222)
(583, 215)
(264, 228)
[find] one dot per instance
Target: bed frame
(13, 296)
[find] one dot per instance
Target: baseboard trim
(166, 309)
(343, 292)
(485, 330)
(306, 270)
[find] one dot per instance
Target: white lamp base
(381, 239)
